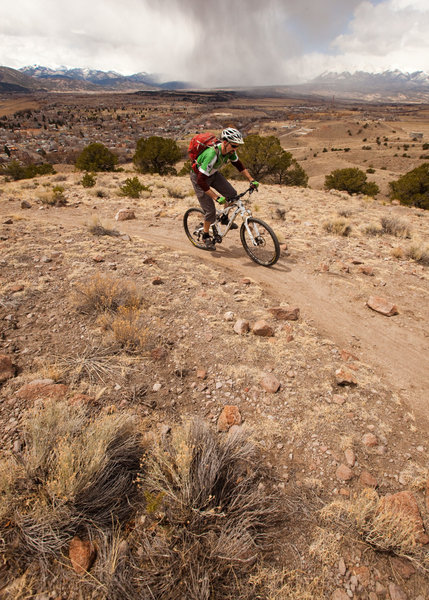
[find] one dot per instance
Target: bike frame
(236, 205)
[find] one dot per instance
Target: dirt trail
(397, 355)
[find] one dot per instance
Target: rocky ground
(334, 393)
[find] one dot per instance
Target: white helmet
(232, 135)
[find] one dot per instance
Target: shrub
(351, 180)
(207, 519)
(103, 293)
(96, 157)
(17, 171)
(88, 180)
(175, 193)
(132, 188)
(156, 155)
(185, 170)
(425, 146)
(267, 161)
(396, 227)
(338, 227)
(375, 522)
(74, 476)
(96, 228)
(418, 252)
(412, 189)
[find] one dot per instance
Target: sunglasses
(233, 145)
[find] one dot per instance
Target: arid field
(176, 423)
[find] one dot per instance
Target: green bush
(132, 188)
(156, 155)
(96, 157)
(185, 169)
(351, 180)
(268, 162)
(88, 180)
(412, 189)
(17, 171)
(425, 146)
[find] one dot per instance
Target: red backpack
(199, 143)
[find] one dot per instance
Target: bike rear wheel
(193, 221)
(260, 242)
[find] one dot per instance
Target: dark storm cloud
(247, 41)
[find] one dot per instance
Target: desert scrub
(133, 187)
(384, 529)
(104, 293)
(127, 328)
(97, 228)
(88, 180)
(396, 227)
(276, 584)
(418, 252)
(207, 519)
(94, 363)
(74, 475)
(373, 229)
(175, 193)
(338, 227)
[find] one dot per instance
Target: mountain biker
(205, 175)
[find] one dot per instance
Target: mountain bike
(258, 239)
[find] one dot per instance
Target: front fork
(253, 232)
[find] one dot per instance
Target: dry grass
(271, 584)
(73, 476)
(378, 525)
(418, 252)
(396, 227)
(338, 227)
(93, 362)
(205, 523)
(128, 329)
(104, 293)
(373, 229)
(97, 228)
(176, 193)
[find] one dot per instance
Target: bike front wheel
(193, 221)
(260, 242)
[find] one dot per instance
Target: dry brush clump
(379, 525)
(338, 227)
(396, 227)
(207, 520)
(418, 252)
(104, 293)
(74, 477)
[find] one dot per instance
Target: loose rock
(382, 306)
(263, 329)
(241, 326)
(344, 377)
(82, 554)
(285, 314)
(229, 416)
(270, 383)
(125, 214)
(7, 370)
(344, 473)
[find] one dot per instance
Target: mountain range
(388, 86)
(38, 78)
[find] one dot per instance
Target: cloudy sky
(224, 42)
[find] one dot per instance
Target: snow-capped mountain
(92, 79)
(386, 78)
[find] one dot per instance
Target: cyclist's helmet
(232, 135)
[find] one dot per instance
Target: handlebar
(249, 191)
